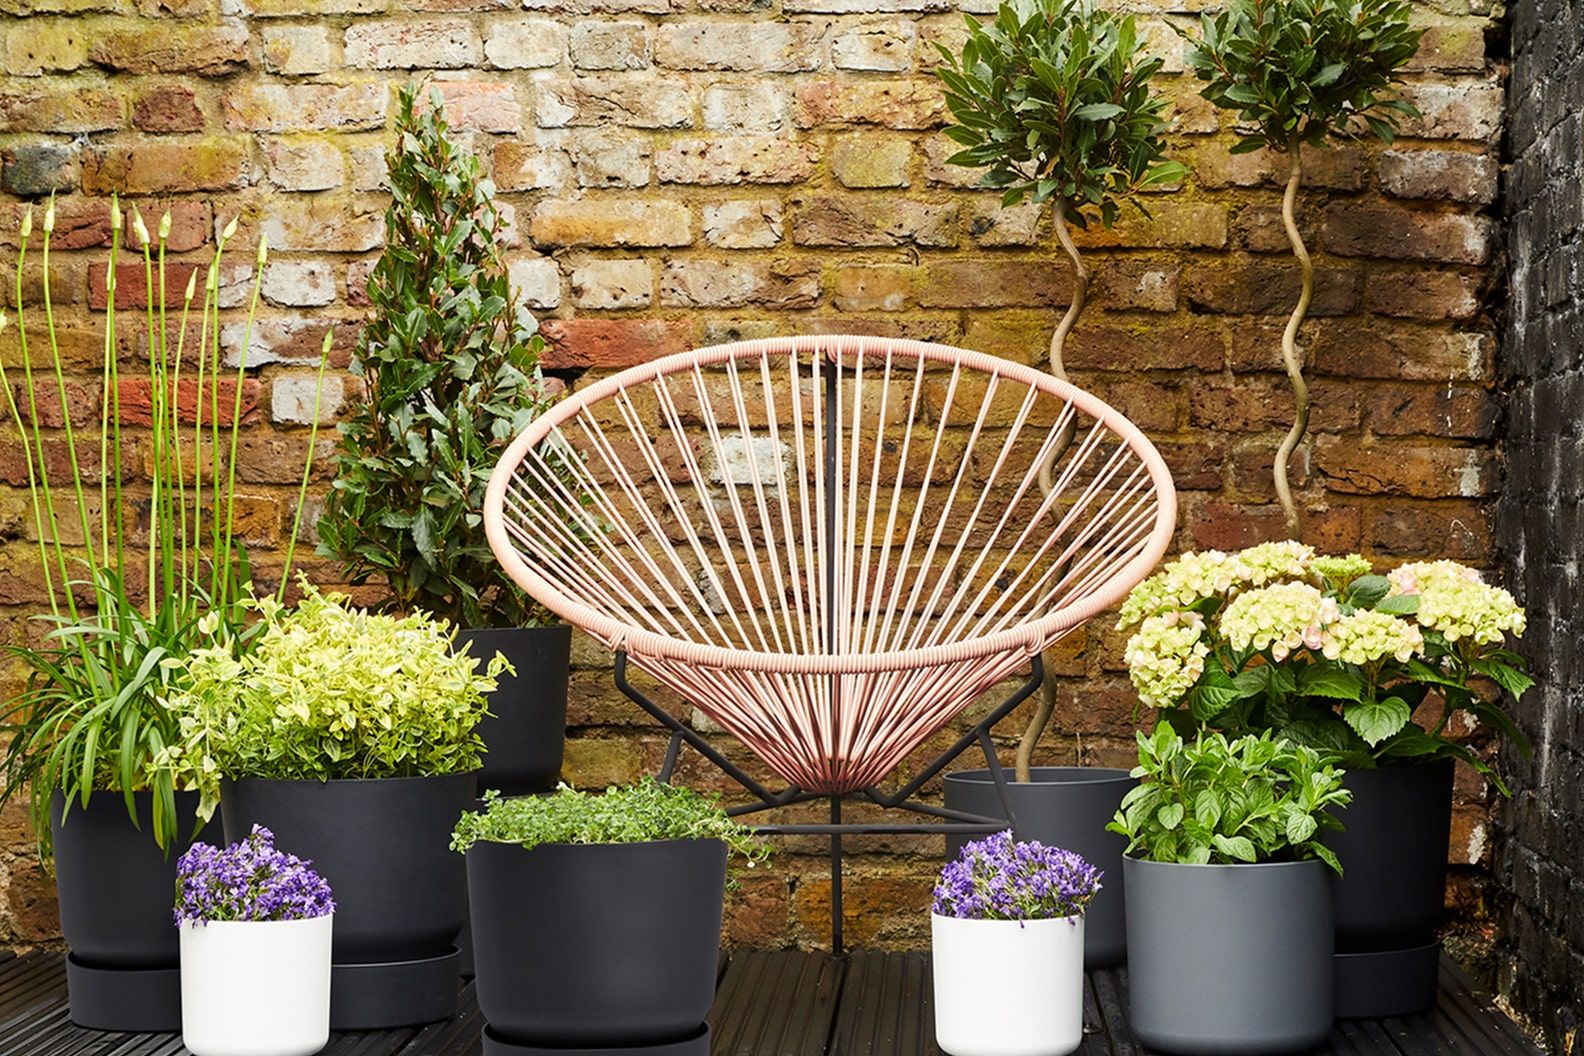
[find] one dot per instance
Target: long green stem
(104, 396)
(166, 440)
(302, 489)
(1292, 355)
(236, 413)
(181, 473)
(60, 387)
(156, 401)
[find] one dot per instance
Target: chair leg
(836, 874)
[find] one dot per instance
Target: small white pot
(256, 988)
(1007, 987)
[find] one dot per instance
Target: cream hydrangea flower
(1416, 576)
(1280, 617)
(1262, 564)
(1166, 657)
(1181, 583)
(1477, 611)
(1366, 636)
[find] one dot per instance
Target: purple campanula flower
(998, 878)
(249, 880)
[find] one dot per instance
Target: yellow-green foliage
(328, 691)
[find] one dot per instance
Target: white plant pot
(1007, 987)
(256, 988)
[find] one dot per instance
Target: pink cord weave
(832, 579)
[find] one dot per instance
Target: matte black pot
(1229, 959)
(525, 738)
(596, 945)
(400, 891)
(116, 889)
(1067, 807)
(1391, 897)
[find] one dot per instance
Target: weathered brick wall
(686, 171)
(1541, 866)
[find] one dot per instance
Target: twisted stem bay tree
(1297, 72)
(1052, 98)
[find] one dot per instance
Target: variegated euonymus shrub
(1325, 652)
(1211, 801)
(327, 691)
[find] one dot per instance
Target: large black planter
(1229, 960)
(116, 890)
(1067, 807)
(1391, 896)
(524, 739)
(599, 945)
(384, 846)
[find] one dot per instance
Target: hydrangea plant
(326, 691)
(1326, 652)
(249, 880)
(999, 878)
(1215, 801)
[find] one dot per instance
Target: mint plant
(1218, 802)
(1053, 99)
(450, 362)
(1297, 72)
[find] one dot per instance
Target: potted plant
(1371, 669)
(450, 367)
(1007, 937)
(1053, 99)
(597, 918)
(1229, 899)
(125, 599)
(352, 737)
(1297, 72)
(255, 928)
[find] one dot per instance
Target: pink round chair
(831, 546)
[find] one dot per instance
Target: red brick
(168, 108)
(73, 110)
(1399, 233)
(993, 283)
(1419, 294)
(137, 401)
(612, 342)
(1265, 288)
(1462, 412)
(154, 167)
(1393, 352)
(889, 102)
(132, 289)
(1448, 528)
(1354, 468)
(1255, 406)
(1147, 346)
(1226, 526)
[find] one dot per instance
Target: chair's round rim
(1023, 639)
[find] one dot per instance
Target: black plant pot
(116, 890)
(597, 945)
(1067, 807)
(1391, 896)
(1229, 960)
(384, 846)
(523, 741)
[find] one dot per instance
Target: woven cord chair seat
(831, 546)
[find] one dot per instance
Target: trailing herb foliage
(648, 810)
(327, 691)
(1215, 802)
(126, 600)
(1325, 652)
(1296, 72)
(1053, 99)
(450, 362)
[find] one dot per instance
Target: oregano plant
(1297, 72)
(1052, 98)
(450, 361)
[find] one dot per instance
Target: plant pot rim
(1413, 764)
(1017, 923)
(1084, 775)
(199, 925)
(595, 846)
(347, 781)
(1307, 862)
(558, 625)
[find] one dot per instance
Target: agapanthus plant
(1325, 652)
(249, 880)
(999, 878)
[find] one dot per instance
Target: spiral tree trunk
(1292, 355)
(1047, 698)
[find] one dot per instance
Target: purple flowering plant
(249, 880)
(999, 878)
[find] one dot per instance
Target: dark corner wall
(1541, 867)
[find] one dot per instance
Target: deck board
(782, 1003)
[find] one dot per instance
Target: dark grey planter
(1229, 960)
(116, 890)
(525, 738)
(400, 891)
(1391, 897)
(1067, 807)
(597, 945)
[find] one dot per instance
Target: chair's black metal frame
(952, 823)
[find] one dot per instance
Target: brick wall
(688, 171)
(1542, 365)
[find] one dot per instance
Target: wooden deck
(782, 1003)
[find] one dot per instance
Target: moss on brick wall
(681, 172)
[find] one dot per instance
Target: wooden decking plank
(916, 1022)
(1095, 1041)
(458, 1036)
(1111, 992)
(1364, 1037)
(1479, 1017)
(736, 1019)
(27, 982)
